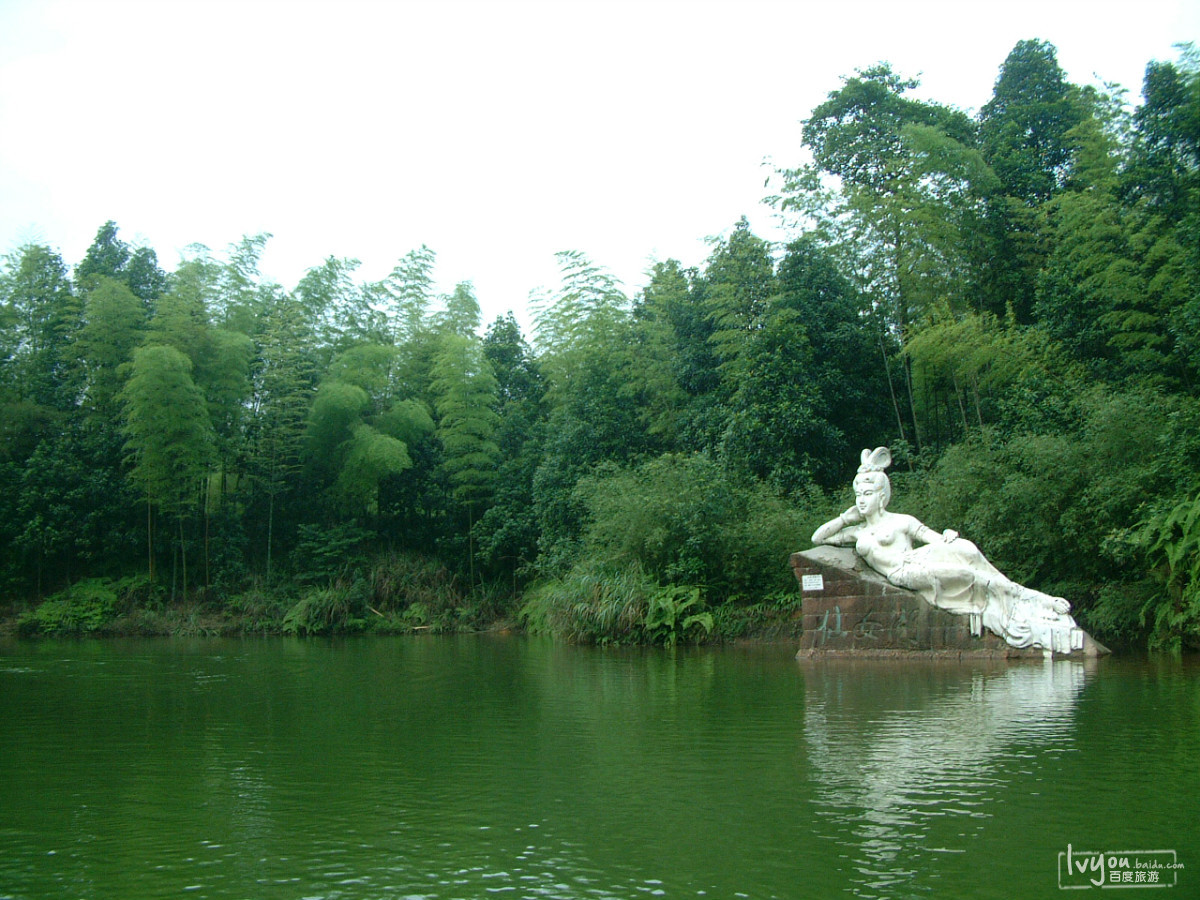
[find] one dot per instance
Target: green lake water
(491, 766)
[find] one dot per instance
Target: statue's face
(868, 496)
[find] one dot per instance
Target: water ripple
(440, 769)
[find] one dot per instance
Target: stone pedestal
(850, 610)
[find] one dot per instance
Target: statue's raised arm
(948, 571)
(840, 532)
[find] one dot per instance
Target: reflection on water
(430, 768)
(899, 748)
(478, 766)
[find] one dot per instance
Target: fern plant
(1172, 542)
(665, 619)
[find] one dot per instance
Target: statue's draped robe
(958, 578)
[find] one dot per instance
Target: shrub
(326, 555)
(83, 608)
(685, 520)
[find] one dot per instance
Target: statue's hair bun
(875, 460)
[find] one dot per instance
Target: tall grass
(341, 606)
(592, 604)
(418, 587)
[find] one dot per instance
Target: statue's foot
(1059, 605)
(1056, 606)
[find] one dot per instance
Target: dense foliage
(1008, 300)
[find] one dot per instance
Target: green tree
(806, 384)
(585, 337)
(587, 307)
(43, 314)
(1115, 277)
(111, 257)
(339, 310)
(70, 511)
(220, 358)
(508, 530)
(143, 275)
(1171, 540)
(465, 389)
(906, 189)
(519, 381)
(1164, 165)
(114, 323)
(686, 520)
(1023, 128)
(404, 298)
(1162, 185)
(1024, 132)
(283, 378)
(369, 458)
(739, 284)
(351, 443)
(846, 369)
(369, 367)
(405, 294)
(108, 255)
(240, 292)
(336, 409)
(170, 437)
(675, 366)
(461, 314)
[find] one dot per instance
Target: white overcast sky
(495, 132)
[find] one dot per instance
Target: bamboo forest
(1009, 300)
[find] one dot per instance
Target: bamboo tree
(44, 317)
(169, 435)
(585, 310)
(465, 389)
(738, 287)
(405, 294)
(350, 442)
(114, 325)
(283, 380)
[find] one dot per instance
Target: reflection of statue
(947, 571)
(901, 749)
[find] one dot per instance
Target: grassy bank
(405, 594)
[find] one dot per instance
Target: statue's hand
(949, 535)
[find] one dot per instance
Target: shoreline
(196, 620)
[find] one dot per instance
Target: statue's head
(871, 472)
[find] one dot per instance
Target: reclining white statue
(946, 570)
